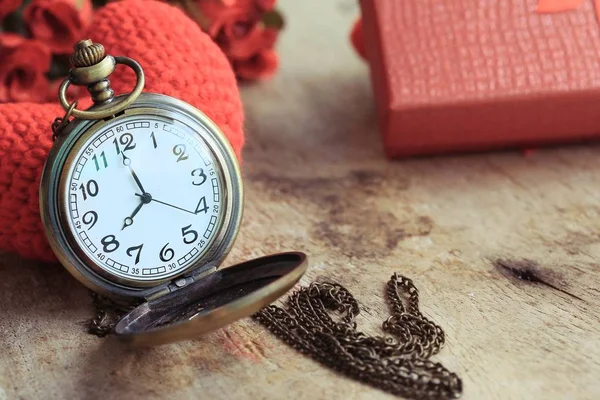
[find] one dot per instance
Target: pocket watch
(141, 200)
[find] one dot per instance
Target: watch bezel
(53, 202)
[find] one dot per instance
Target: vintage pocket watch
(141, 200)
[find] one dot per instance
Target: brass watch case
(53, 201)
(199, 299)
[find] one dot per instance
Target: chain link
(108, 313)
(398, 365)
(61, 123)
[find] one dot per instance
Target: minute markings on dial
(97, 219)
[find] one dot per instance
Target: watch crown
(87, 53)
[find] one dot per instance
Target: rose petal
(8, 6)
(241, 38)
(10, 40)
(262, 65)
(59, 23)
(357, 39)
(23, 69)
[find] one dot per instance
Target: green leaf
(14, 23)
(273, 19)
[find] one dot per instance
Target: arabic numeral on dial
(138, 250)
(89, 151)
(101, 256)
(179, 150)
(126, 140)
(90, 218)
(153, 138)
(172, 266)
(89, 189)
(109, 243)
(73, 186)
(186, 232)
(199, 172)
(135, 271)
(104, 162)
(78, 224)
(202, 206)
(166, 253)
(216, 209)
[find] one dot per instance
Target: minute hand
(127, 163)
(170, 205)
(137, 180)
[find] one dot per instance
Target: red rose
(215, 12)
(23, 68)
(260, 66)
(237, 27)
(357, 38)
(8, 6)
(58, 23)
(242, 39)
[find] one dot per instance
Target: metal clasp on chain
(60, 123)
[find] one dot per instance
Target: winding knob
(87, 53)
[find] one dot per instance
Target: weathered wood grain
(465, 229)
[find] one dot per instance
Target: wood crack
(528, 271)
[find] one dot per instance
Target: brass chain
(398, 365)
(60, 124)
(108, 313)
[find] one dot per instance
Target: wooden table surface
(461, 227)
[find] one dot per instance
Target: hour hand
(129, 220)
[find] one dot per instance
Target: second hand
(167, 204)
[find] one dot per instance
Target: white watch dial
(144, 198)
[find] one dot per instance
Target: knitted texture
(179, 60)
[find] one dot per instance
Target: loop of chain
(398, 365)
(60, 123)
(108, 313)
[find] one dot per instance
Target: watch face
(144, 198)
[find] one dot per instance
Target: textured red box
(464, 75)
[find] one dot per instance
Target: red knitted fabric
(179, 60)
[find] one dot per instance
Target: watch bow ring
(93, 68)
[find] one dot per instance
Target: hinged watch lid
(213, 301)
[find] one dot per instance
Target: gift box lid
(472, 74)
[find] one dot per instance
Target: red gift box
(463, 75)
